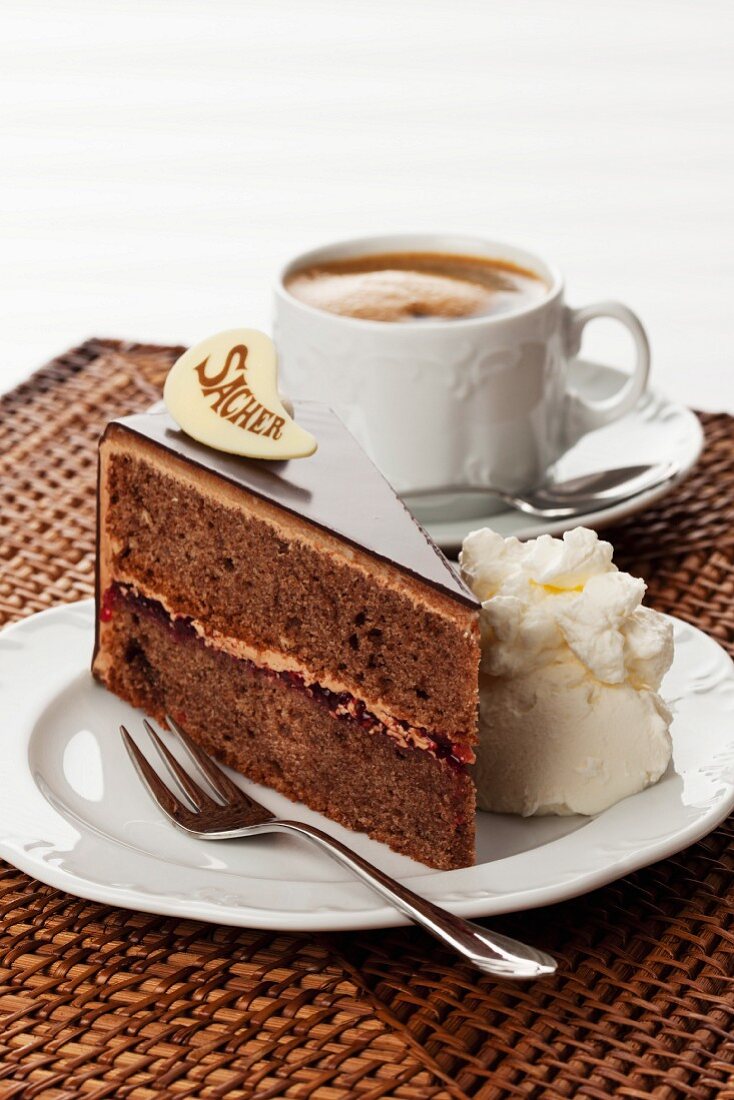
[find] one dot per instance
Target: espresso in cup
(416, 286)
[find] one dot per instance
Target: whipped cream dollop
(570, 716)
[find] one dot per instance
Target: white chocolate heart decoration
(224, 392)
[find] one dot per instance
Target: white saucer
(658, 430)
(74, 815)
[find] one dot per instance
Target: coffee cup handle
(582, 414)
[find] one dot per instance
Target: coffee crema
(416, 286)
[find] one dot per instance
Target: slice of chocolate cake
(297, 621)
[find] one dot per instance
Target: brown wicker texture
(98, 1002)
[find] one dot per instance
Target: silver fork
(235, 814)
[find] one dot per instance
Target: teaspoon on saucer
(578, 495)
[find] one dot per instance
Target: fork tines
(228, 794)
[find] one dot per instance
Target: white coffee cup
(448, 408)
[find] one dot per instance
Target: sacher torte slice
(298, 622)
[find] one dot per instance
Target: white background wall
(159, 158)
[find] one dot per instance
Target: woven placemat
(100, 1002)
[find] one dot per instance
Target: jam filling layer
(341, 704)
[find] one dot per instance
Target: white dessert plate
(74, 815)
(657, 430)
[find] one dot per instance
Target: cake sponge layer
(418, 804)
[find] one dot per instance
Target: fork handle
(490, 952)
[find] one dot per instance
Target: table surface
(160, 161)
